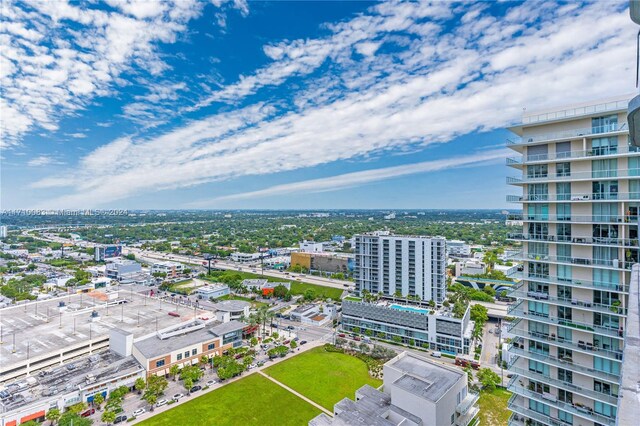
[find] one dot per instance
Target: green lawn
(493, 407)
(323, 377)
(253, 400)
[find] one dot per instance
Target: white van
(436, 354)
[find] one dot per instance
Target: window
(634, 189)
(605, 212)
(194, 352)
(159, 363)
(539, 407)
(565, 334)
(605, 388)
(538, 367)
(540, 270)
(605, 190)
(535, 172)
(563, 211)
(565, 396)
(564, 313)
(605, 233)
(606, 321)
(606, 278)
(538, 309)
(538, 192)
(564, 273)
(566, 354)
(211, 346)
(538, 329)
(604, 409)
(604, 297)
(538, 231)
(539, 348)
(563, 190)
(179, 357)
(565, 417)
(186, 354)
(565, 375)
(538, 387)
(604, 146)
(564, 251)
(453, 418)
(538, 211)
(606, 365)
(563, 169)
(634, 166)
(564, 293)
(604, 168)
(604, 124)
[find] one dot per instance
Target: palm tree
(262, 315)
(270, 316)
(53, 415)
(174, 370)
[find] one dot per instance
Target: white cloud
(432, 87)
(78, 135)
(43, 160)
(57, 56)
(350, 180)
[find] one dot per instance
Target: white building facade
(404, 265)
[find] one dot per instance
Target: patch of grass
(323, 377)
(353, 299)
(298, 287)
(253, 400)
(493, 407)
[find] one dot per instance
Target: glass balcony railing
(551, 279)
(520, 310)
(575, 112)
(466, 419)
(570, 134)
(574, 176)
(575, 261)
(551, 339)
(598, 241)
(566, 364)
(467, 402)
(603, 152)
(615, 219)
(605, 196)
(587, 305)
(517, 404)
(551, 400)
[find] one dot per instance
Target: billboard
(107, 252)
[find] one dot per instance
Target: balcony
(467, 419)
(518, 310)
(568, 198)
(517, 404)
(550, 279)
(560, 363)
(575, 261)
(586, 305)
(586, 348)
(582, 240)
(588, 132)
(587, 393)
(596, 153)
(467, 403)
(552, 401)
(576, 176)
(614, 219)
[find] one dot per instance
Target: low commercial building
(245, 257)
(212, 291)
(324, 262)
(235, 308)
(64, 385)
(416, 392)
(311, 247)
(122, 270)
(314, 314)
(264, 286)
(185, 344)
(172, 269)
(415, 325)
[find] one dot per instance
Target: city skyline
(288, 105)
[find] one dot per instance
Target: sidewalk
(296, 393)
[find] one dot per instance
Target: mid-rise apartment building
(580, 183)
(458, 248)
(401, 265)
(416, 391)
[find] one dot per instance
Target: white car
(139, 412)
(161, 403)
(178, 396)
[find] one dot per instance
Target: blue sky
(189, 104)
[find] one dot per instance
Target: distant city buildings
(416, 391)
(172, 269)
(324, 262)
(401, 265)
(457, 248)
(311, 247)
(122, 269)
(106, 252)
(3, 231)
(212, 291)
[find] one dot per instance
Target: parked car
(295, 339)
(357, 338)
(174, 314)
(120, 419)
(88, 413)
(139, 412)
(303, 342)
(211, 382)
(286, 342)
(195, 389)
(161, 403)
(341, 335)
(436, 354)
(177, 396)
